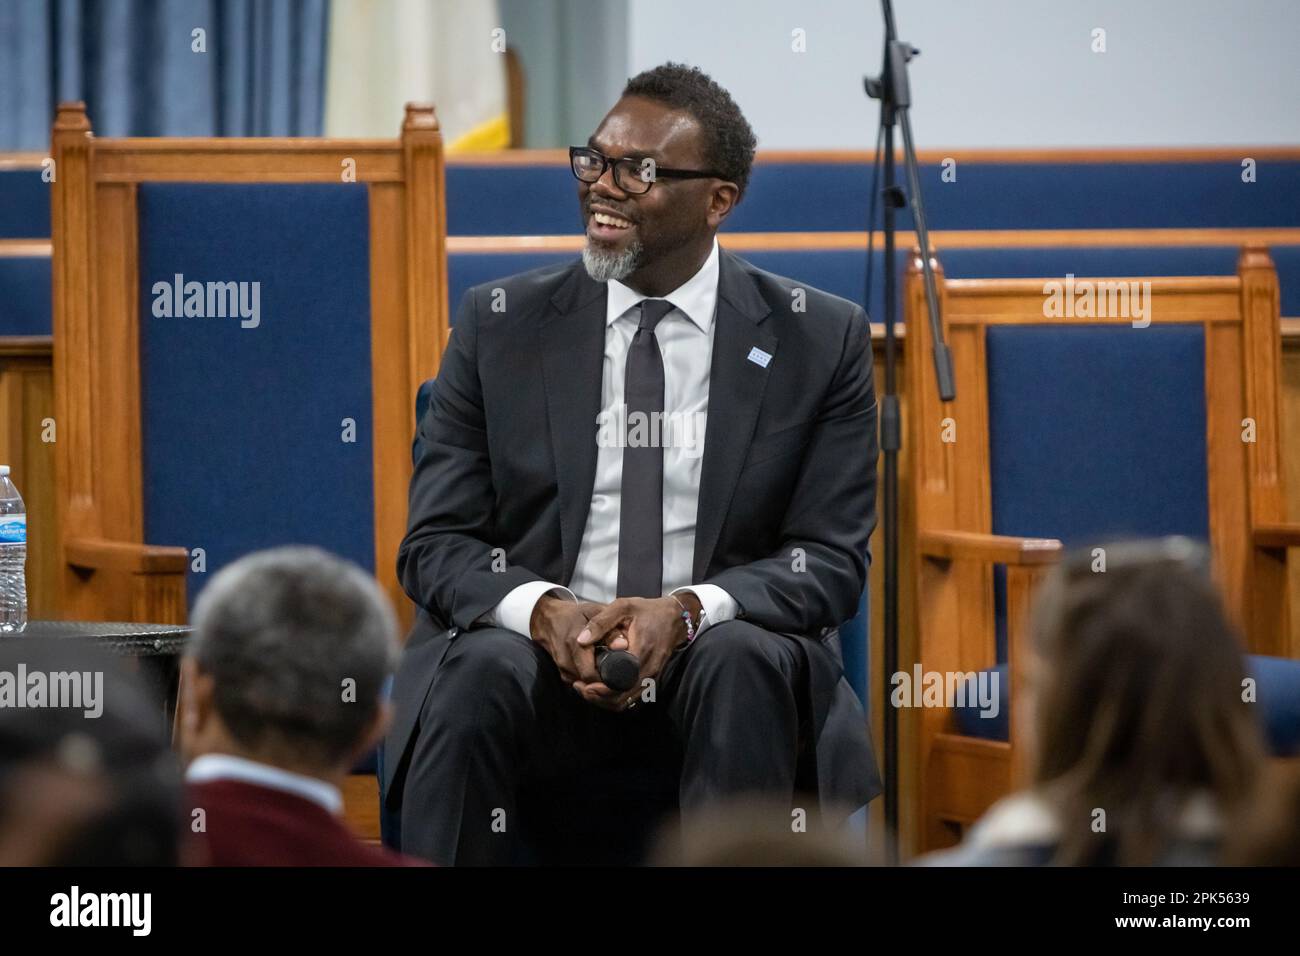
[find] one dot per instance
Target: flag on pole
(385, 53)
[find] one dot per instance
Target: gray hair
(299, 644)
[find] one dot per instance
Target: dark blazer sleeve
(831, 514)
(445, 562)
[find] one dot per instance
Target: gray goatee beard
(604, 266)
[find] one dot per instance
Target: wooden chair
(27, 432)
(112, 356)
(282, 411)
(1036, 453)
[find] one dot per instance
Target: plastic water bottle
(13, 556)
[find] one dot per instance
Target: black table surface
(120, 637)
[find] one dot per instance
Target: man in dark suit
(660, 448)
(284, 692)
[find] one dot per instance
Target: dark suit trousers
(499, 722)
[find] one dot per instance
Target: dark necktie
(641, 509)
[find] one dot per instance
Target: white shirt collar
(227, 767)
(697, 297)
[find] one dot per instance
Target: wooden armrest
(1281, 535)
(102, 554)
(989, 548)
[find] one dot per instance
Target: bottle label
(13, 529)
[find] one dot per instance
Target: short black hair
(729, 140)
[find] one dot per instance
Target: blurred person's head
(86, 774)
(288, 666)
(1135, 701)
(678, 119)
(757, 831)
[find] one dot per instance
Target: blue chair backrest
(24, 204)
(25, 295)
(243, 428)
(1096, 432)
(468, 269)
(541, 199)
(835, 196)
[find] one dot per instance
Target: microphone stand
(892, 90)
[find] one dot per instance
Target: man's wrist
(545, 604)
(540, 610)
(716, 605)
(692, 612)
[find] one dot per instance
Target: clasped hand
(650, 628)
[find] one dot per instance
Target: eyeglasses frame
(665, 172)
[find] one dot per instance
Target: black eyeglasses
(634, 176)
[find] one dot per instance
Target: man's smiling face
(629, 233)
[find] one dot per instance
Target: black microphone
(618, 669)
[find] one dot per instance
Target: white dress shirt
(228, 767)
(685, 337)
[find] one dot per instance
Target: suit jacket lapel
(572, 346)
(736, 385)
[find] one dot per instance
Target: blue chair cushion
(244, 436)
(1277, 686)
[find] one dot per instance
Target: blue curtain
(134, 64)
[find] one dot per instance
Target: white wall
(996, 72)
